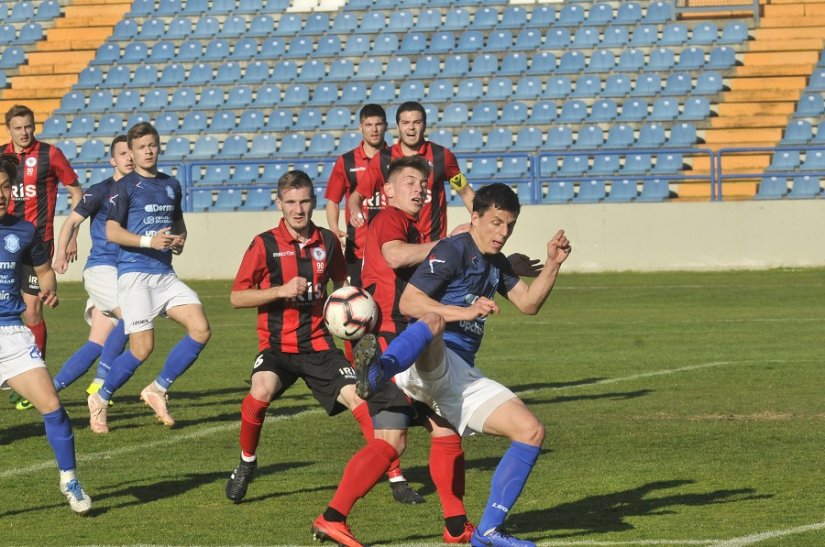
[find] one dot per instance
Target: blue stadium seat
(469, 140)
(258, 199)
(470, 89)
(543, 113)
(127, 101)
(571, 15)
(137, 118)
(559, 138)
(637, 164)
(284, 72)
(68, 147)
(398, 68)
(499, 139)
(704, 34)
(338, 118)
(341, 70)
(654, 190)
(784, 160)
(55, 126)
(571, 62)
(658, 12)
(798, 132)
(206, 146)
(145, 76)
(614, 37)
(619, 136)
(814, 160)
(631, 60)
(48, 10)
(513, 17)
(206, 28)
(82, 126)
(356, 46)
(678, 83)
(354, 94)
(588, 86)
(603, 111)
(528, 139)
(413, 44)
(691, 58)
(557, 38)
(182, 99)
(193, 123)
(179, 28)
(651, 135)
(647, 85)
(134, 53)
(223, 122)
(299, 46)
(167, 8)
(308, 119)
(217, 49)
(721, 57)
(312, 71)
(682, 135)
(674, 34)
(261, 25)
(514, 113)
(293, 144)
(348, 141)
(805, 187)
(599, 14)
(483, 114)
(573, 112)
(263, 146)
(245, 174)
(30, 33)
(345, 23)
(734, 32)
(772, 187)
(92, 151)
(189, 51)
(483, 168)
(385, 44)
(542, 16)
(602, 61)
(289, 24)
(499, 40)
(591, 191)
(100, 101)
(118, 76)
(442, 42)
(316, 23)
(211, 98)
(470, 41)
(606, 164)
(661, 59)
(559, 191)
(156, 100)
(644, 36)
(668, 164)
(166, 123)
(228, 73)
(810, 105)
(89, 78)
(324, 94)
(622, 191)
(429, 20)
(229, 199)
(456, 66)
(382, 93)
(444, 137)
(369, 69)
(664, 109)
(427, 67)
(696, 108)
(589, 137)
(244, 49)
(272, 48)
(513, 64)
(616, 85)
(21, 12)
(152, 29)
(201, 199)
(484, 64)
(234, 147)
(295, 95)
(252, 120)
(573, 166)
(486, 17)
(586, 38)
(499, 89)
(411, 90)
(441, 90)
(222, 7)
(107, 54)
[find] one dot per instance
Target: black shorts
(354, 266)
(30, 285)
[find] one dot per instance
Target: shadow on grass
(615, 396)
(555, 385)
(608, 512)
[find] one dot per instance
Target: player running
(458, 281)
(106, 336)
(21, 364)
(146, 220)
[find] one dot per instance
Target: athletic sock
(112, 348)
(362, 416)
(40, 336)
(60, 436)
(507, 483)
(404, 349)
(447, 472)
(77, 365)
(122, 369)
(362, 472)
(180, 358)
(253, 413)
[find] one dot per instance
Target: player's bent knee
(396, 437)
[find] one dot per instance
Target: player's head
(495, 211)
(296, 199)
(412, 124)
(120, 157)
(406, 186)
(20, 123)
(8, 173)
(144, 144)
(373, 124)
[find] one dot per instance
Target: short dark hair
(8, 165)
(372, 110)
(410, 106)
(295, 179)
(416, 162)
(140, 130)
(496, 195)
(18, 110)
(119, 138)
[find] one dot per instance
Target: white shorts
(101, 284)
(457, 392)
(18, 352)
(144, 296)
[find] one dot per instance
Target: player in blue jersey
(459, 280)
(146, 221)
(21, 365)
(106, 336)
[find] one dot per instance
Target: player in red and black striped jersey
(42, 167)
(432, 220)
(349, 170)
(284, 273)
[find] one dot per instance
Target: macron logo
(432, 260)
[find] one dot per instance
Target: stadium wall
(606, 237)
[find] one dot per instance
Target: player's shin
(507, 483)
(77, 365)
(362, 472)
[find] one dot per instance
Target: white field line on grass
(763, 536)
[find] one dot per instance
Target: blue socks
(122, 369)
(403, 350)
(77, 365)
(113, 347)
(507, 484)
(180, 358)
(60, 436)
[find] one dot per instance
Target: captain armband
(458, 182)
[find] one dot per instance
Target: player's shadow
(555, 385)
(22, 431)
(609, 512)
(613, 396)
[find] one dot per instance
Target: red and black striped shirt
(294, 325)
(34, 193)
(347, 172)
(432, 220)
(377, 277)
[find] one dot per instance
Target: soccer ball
(350, 313)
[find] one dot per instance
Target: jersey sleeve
(451, 167)
(253, 267)
(119, 209)
(338, 183)
(373, 179)
(442, 265)
(386, 227)
(61, 166)
(92, 200)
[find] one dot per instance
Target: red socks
(253, 413)
(362, 415)
(362, 472)
(40, 335)
(447, 472)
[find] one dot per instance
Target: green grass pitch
(681, 409)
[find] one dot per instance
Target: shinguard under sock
(362, 472)
(447, 472)
(122, 369)
(60, 436)
(112, 348)
(253, 413)
(507, 483)
(405, 349)
(180, 358)
(77, 365)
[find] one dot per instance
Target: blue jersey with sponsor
(456, 273)
(18, 244)
(145, 206)
(95, 205)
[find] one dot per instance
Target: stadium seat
(30, 33)
(586, 38)
(772, 187)
(573, 166)
(21, 12)
(426, 67)
(631, 60)
(211, 98)
(127, 101)
(413, 43)
(469, 140)
(244, 49)
(308, 119)
(206, 28)
(166, 123)
(229, 199)
(201, 199)
(622, 191)
(634, 110)
(644, 36)
(156, 99)
(557, 38)
(398, 68)
(798, 132)
(228, 73)
(696, 108)
(704, 34)
(316, 23)
(176, 149)
(664, 109)
(499, 139)
(529, 88)
(137, 118)
(299, 47)
(483, 113)
(173, 75)
(470, 41)
(668, 164)
(223, 122)
(261, 25)
(605, 164)
(499, 89)
(588, 86)
(571, 62)
(602, 61)
(89, 78)
(734, 32)
(55, 126)
(559, 191)
(619, 136)
(637, 164)
(784, 160)
(573, 112)
(674, 34)
(542, 16)
(235, 146)
(678, 83)
(661, 59)
(721, 57)
(470, 89)
(444, 137)
(590, 191)
(206, 146)
(603, 111)
(182, 99)
(263, 146)
(81, 127)
(293, 144)
(179, 28)
(616, 85)
(483, 168)
(92, 151)
(691, 58)
(614, 37)
(599, 14)
(194, 122)
(628, 13)
(658, 12)
(152, 29)
(273, 47)
(514, 113)
(68, 147)
(189, 51)
(682, 135)
(651, 135)
(455, 114)
(528, 139)
(654, 190)
(542, 113)
(571, 15)
(258, 199)
(805, 187)
(814, 160)
(118, 76)
(385, 44)
(559, 138)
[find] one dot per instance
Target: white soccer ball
(350, 313)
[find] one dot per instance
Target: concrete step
(777, 83)
(24, 94)
(788, 33)
(775, 58)
(754, 121)
(744, 137)
(760, 95)
(788, 44)
(726, 109)
(759, 71)
(51, 81)
(69, 45)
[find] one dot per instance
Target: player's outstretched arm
(415, 303)
(160, 241)
(254, 297)
(68, 233)
(400, 254)
(530, 298)
(48, 284)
